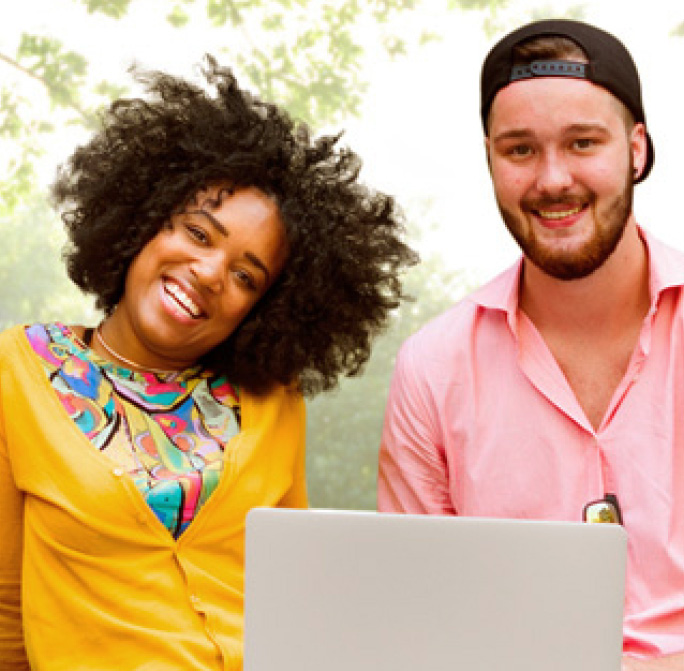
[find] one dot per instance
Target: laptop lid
(331, 590)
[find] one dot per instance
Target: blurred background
(400, 77)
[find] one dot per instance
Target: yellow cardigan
(97, 580)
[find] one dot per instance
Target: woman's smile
(181, 299)
(192, 285)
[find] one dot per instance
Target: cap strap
(549, 69)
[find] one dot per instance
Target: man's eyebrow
(572, 129)
(587, 128)
(515, 134)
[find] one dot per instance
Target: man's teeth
(559, 214)
(183, 299)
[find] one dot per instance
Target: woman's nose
(209, 271)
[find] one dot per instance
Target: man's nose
(554, 176)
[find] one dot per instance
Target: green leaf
(11, 124)
(112, 8)
(394, 46)
(178, 17)
(16, 186)
(577, 12)
(110, 91)
(220, 12)
(273, 22)
(427, 37)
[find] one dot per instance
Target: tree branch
(29, 73)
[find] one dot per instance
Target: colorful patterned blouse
(167, 432)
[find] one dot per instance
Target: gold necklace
(128, 362)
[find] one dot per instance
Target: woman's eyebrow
(259, 264)
(212, 220)
(255, 260)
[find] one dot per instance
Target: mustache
(567, 200)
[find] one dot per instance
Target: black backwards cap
(609, 65)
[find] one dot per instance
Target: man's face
(562, 163)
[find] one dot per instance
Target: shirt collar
(666, 270)
(666, 266)
(501, 293)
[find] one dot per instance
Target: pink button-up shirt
(481, 421)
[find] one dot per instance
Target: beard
(609, 226)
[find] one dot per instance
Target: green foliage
(109, 91)
(382, 10)
(62, 75)
(344, 427)
(10, 123)
(178, 17)
(19, 161)
(220, 12)
(33, 283)
(313, 67)
(394, 46)
(497, 22)
(18, 182)
(61, 72)
(577, 12)
(112, 8)
(308, 57)
(427, 37)
(491, 5)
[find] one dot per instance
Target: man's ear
(639, 148)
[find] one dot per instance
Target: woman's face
(195, 281)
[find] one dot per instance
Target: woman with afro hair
(239, 265)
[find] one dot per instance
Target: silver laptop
(330, 590)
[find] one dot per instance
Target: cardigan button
(118, 472)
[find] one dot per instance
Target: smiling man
(556, 390)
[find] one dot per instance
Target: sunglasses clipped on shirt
(603, 511)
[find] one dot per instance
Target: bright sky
(420, 133)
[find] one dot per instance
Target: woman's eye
(245, 279)
(197, 233)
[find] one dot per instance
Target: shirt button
(195, 600)
(118, 472)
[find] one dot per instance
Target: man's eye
(584, 143)
(520, 150)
